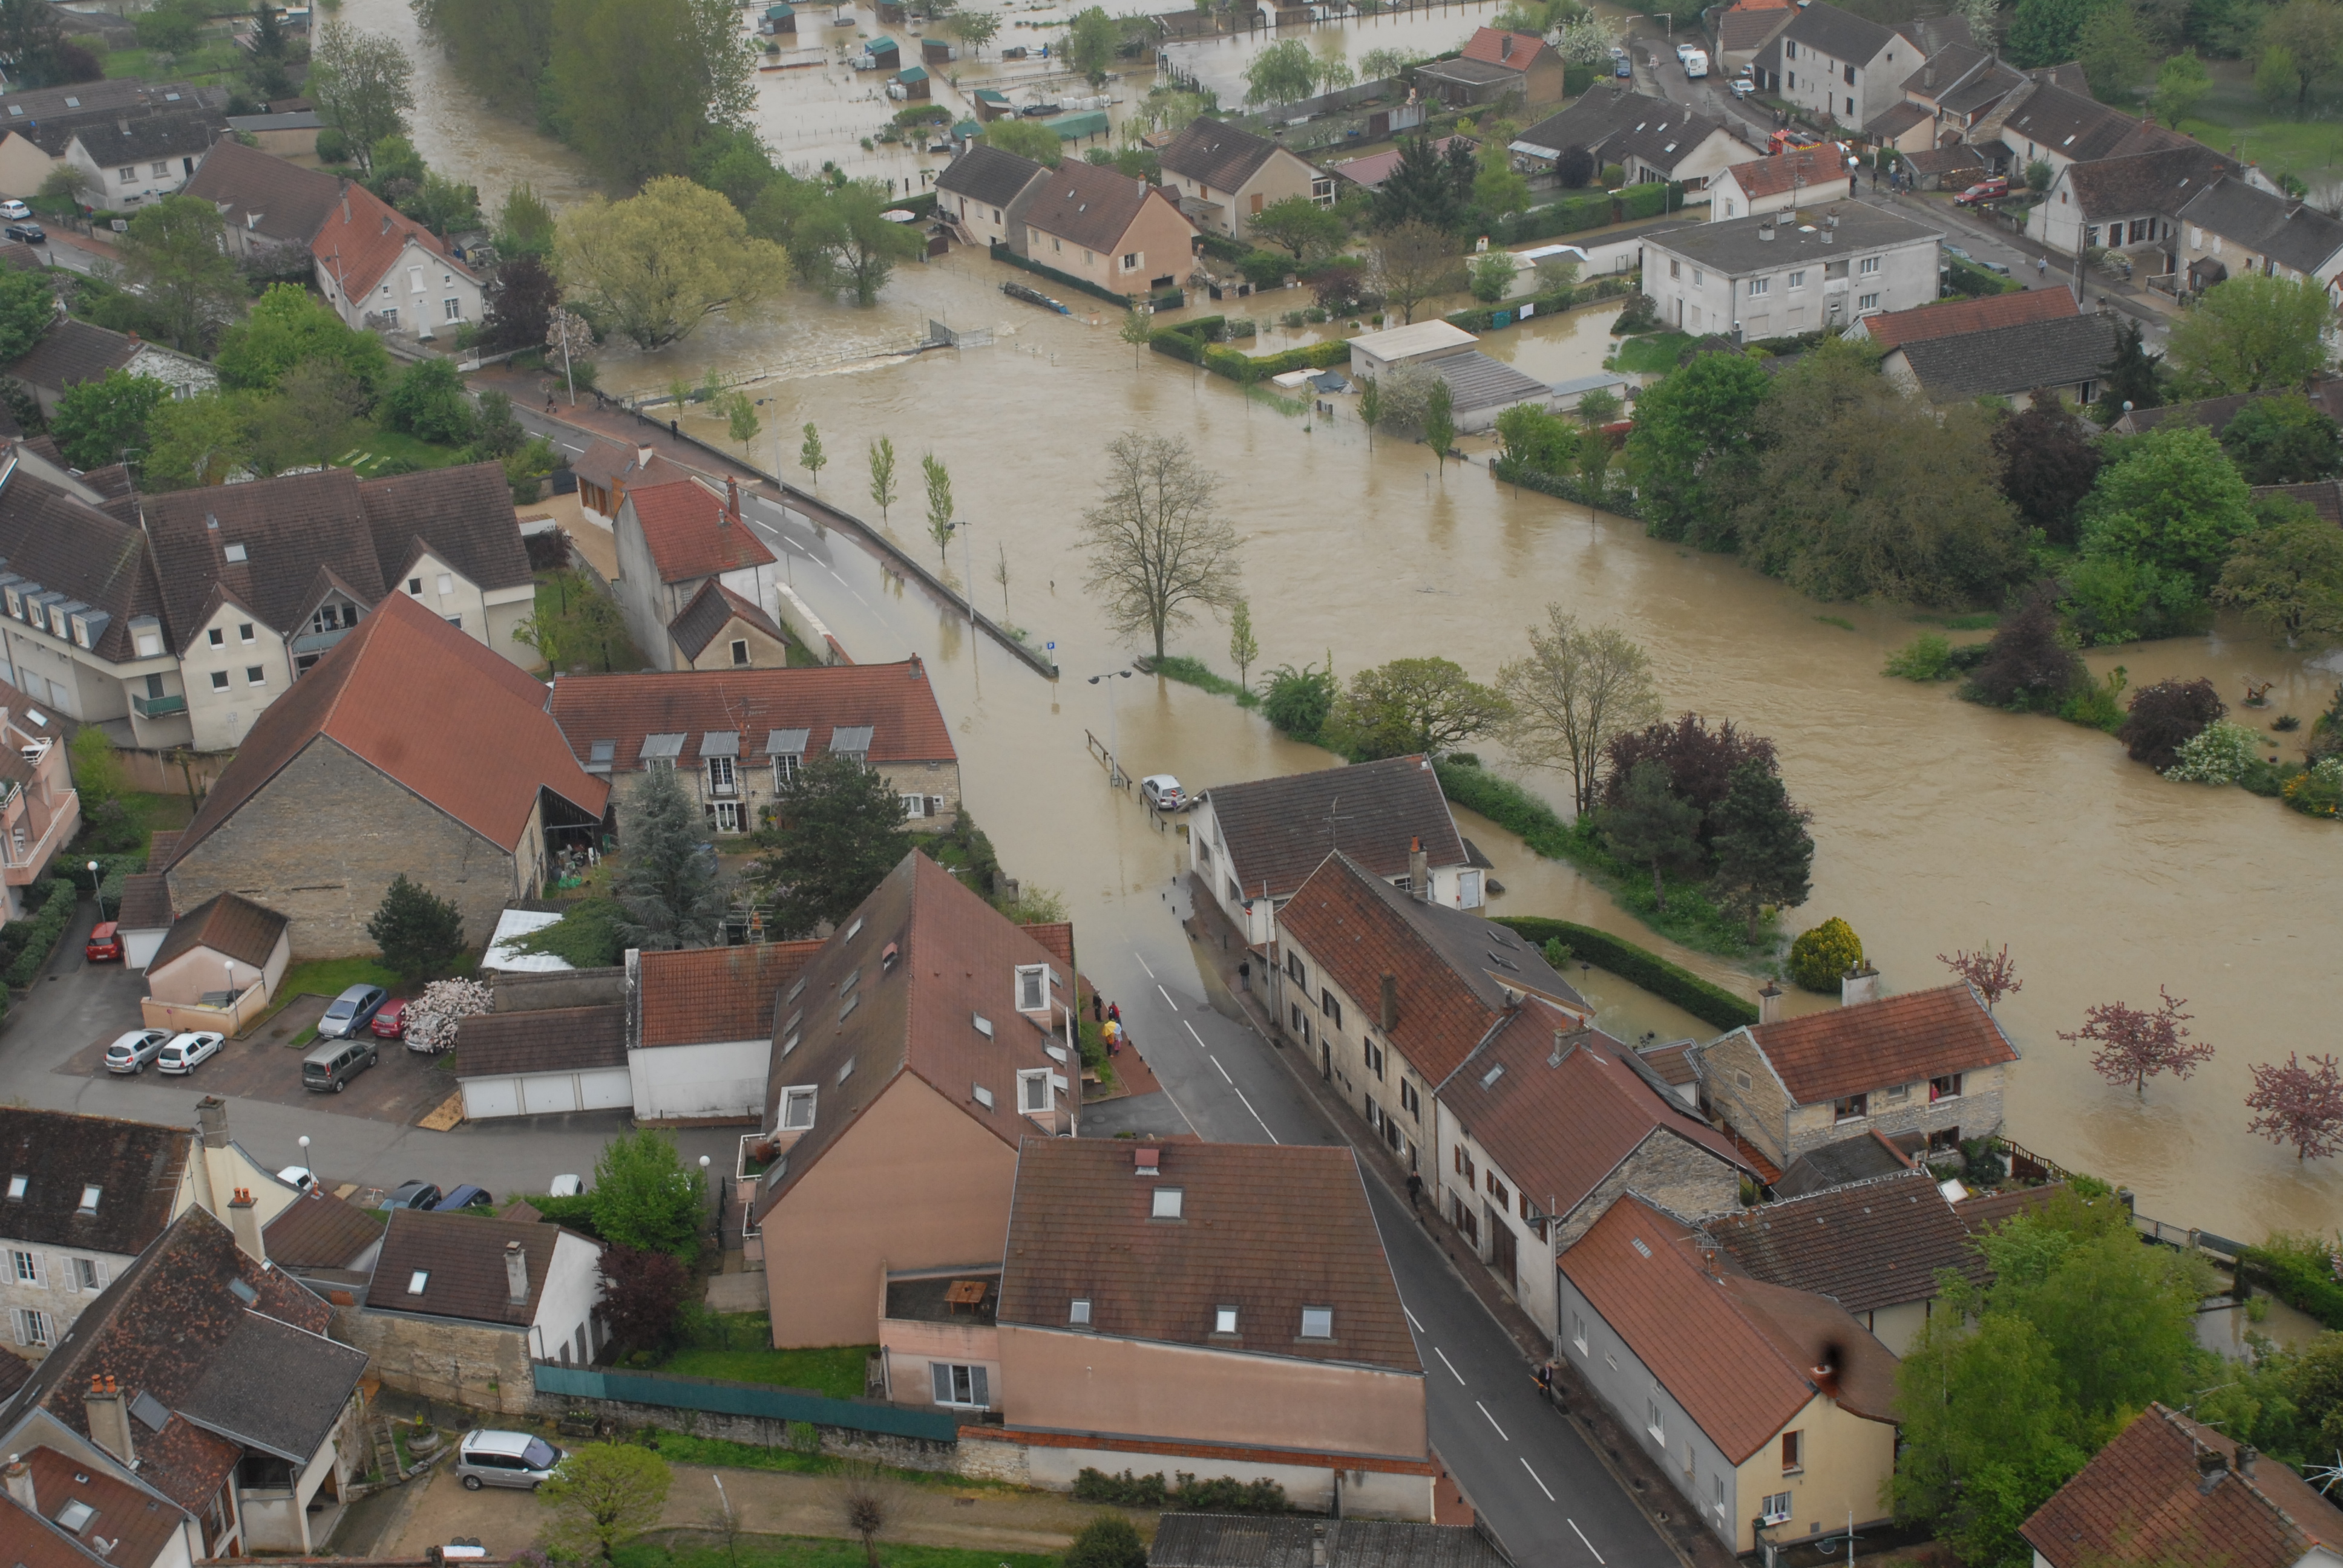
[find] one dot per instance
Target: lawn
(373, 448)
(209, 62)
(2231, 119)
(331, 976)
(835, 1370)
(590, 633)
(1657, 351)
(815, 1552)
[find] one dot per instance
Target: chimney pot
(19, 1476)
(516, 1274)
(1388, 1017)
(2246, 1454)
(109, 1423)
(1769, 1003)
(1419, 871)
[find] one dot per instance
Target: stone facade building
(1931, 1063)
(410, 749)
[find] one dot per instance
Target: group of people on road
(1110, 1015)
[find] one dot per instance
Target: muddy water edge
(1939, 825)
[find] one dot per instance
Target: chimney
(516, 1274)
(385, 223)
(19, 1476)
(1389, 1016)
(132, 336)
(1859, 984)
(1769, 1003)
(211, 1120)
(1146, 1162)
(1555, 1059)
(919, 672)
(642, 456)
(1418, 869)
(1766, 229)
(1318, 1546)
(243, 1219)
(109, 1418)
(2211, 1465)
(731, 498)
(2246, 1454)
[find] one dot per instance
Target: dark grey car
(351, 1011)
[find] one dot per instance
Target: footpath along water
(1940, 825)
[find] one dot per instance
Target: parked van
(1696, 63)
(333, 1062)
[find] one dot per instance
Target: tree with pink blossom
(2133, 1044)
(2299, 1103)
(1993, 974)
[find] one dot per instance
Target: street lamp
(1114, 773)
(95, 891)
(305, 1162)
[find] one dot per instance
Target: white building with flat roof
(1782, 274)
(1377, 353)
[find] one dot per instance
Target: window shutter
(943, 1373)
(935, 805)
(979, 1393)
(100, 1267)
(17, 1318)
(72, 1277)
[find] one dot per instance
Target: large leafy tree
(174, 254)
(97, 421)
(522, 296)
(2046, 32)
(2283, 440)
(2134, 378)
(499, 48)
(28, 304)
(657, 265)
(837, 831)
(1765, 854)
(2289, 579)
(1285, 73)
(1412, 262)
(1093, 38)
(199, 440)
(2302, 46)
(1691, 433)
(1576, 690)
(1157, 541)
(639, 83)
(1300, 226)
(2048, 463)
(1028, 139)
(646, 1198)
(362, 83)
(602, 1495)
(307, 422)
(862, 246)
(1650, 826)
(2171, 499)
(287, 325)
(2252, 334)
(667, 880)
(642, 1293)
(1414, 705)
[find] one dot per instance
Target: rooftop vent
(1146, 1162)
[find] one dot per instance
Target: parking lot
(404, 1086)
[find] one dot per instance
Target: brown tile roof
(2323, 497)
(170, 1327)
(955, 961)
(1954, 158)
(2168, 1489)
(55, 538)
(1496, 46)
(1877, 1044)
(1953, 317)
(1822, 164)
(363, 236)
(73, 351)
(35, 1542)
(463, 515)
(712, 610)
(1748, 28)
(15, 1373)
(1672, 1062)
(604, 461)
(695, 996)
(1452, 967)
(1858, 1158)
(689, 532)
(462, 1257)
(1738, 1355)
(1559, 1129)
(2159, 180)
(320, 1230)
(1056, 937)
(1874, 1244)
(133, 1526)
(986, 174)
(162, 846)
(264, 194)
(402, 675)
(1215, 155)
(1088, 204)
(1268, 1228)
(896, 702)
(228, 924)
(146, 900)
(1275, 830)
(137, 1167)
(554, 1040)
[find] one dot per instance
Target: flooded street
(1939, 824)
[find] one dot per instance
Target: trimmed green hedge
(37, 935)
(1639, 966)
(1002, 253)
(1240, 366)
(1225, 248)
(1596, 209)
(1608, 286)
(2299, 1271)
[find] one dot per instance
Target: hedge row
(36, 935)
(1596, 209)
(1609, 285)
(1711, 1004)
(1243, 367)
(1619, 499)
(1002, 253)
(2298, 1270)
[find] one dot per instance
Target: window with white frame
(1867, 302)
(127, 177)
(1317, 1323)
(88, 1273)
(1032, 988)
(1079, 1313)
(1578, 1331)
(219, 680)
(1796, 280)
(796, 1108)
(1224, 1320)
(915, 806)
(1776, 1509)
(785, 768)
(722, 778)
(728, 816)
(1033, 1093)
(1867, 268)
(34, 1328)
(1653, 1420)
(1760, 286)
(25, 1268)
(1167, 1203)
(454, 307)
(961, 1386)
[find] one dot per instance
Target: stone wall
(320, 843)
(1973, 1112)
(538, 990)
(1674, 1173)
(1742, 1089)
(486, 1368)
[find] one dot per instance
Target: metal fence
(722, 1398)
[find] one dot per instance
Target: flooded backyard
(1939, 824)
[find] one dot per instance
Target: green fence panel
(723, 1398)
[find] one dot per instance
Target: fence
(755, 1400)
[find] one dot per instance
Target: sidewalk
(528, 389)
(1223, 947)
(2097, 289)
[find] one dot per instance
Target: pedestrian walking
(1414, 1191)
(2041, 266)
(1114, 1012)
(1098, 1007)
(1244, 976)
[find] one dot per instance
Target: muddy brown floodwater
(1939, 824)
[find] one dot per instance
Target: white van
(1696, 63)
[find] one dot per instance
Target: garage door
(606, 1088)
(543, 1093)
(490, 1097)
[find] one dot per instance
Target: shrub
(2304, 1271)
(2094, 704)
(1127, 1489)
(1642, 314)
(1820, 957)
(2029, 665)
(1265, 268)
(1222, 1494)
(333, 147)
(2217, 754)
(1107, 1542)
(2165, 717)
(1712, 1004)
(1297, 702)
(2317, 791)
(40, 933)
(1927, 656)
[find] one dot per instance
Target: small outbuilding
(1479, 388)
(1379, 353)
(218, 967)
(543, 1063)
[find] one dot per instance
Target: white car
(298, 1178)
(1742, 87)
(1685, 52)
(567, 1187)
(188, 1050)
(15, 211)
(1162, 792)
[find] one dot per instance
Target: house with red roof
(1784, 182)
(1932, 1062)
(383, 271)
(674, 539)
(736, 738)
(409, 748)
(1958, 318)
(1496, 64)
(1770, 1408)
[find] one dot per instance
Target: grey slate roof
(1857, 1159)
(1216, 155)
(1841, 34)
(137, 1167)
(2162, 181)
(264, 194)
(1274, 830)
(2286, 230)
(1734, 248)
(73, 351)
(986, 174)
(1476, 381)
(182, 132)
(2008, 360)
(1876, 1244)
(1474, 73)
(53, 537)
(275, 1387)
(1251, 1540)
(2064, 120)
(1613, 125)
(1896, 119)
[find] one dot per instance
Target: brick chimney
(1418, 869)
(1769, 1003)
(731, 500)
(1388, 1017)
(1859, 984)
(211, 1120)
(19, 1476)
(109, 1418)
(516, 1274)
(243, 1219)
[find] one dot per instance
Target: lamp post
(95, 891)
(305, 1163)
(1114, 773)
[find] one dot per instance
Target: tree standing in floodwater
(1155, 541)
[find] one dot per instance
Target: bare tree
(1578, 687)
(1413, 262)
(1155, 542)
(1993, 974)
(869, 1500)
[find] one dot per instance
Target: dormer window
(1032, 988)
(1034, 1091)
(89, 1195)
(796, 1108)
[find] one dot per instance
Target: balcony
(157, 706)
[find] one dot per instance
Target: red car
(390, 1023)
(1984, 190)
(104, 944)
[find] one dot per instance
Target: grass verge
(684, 1448)
(1194, 672)
(833, 1370)
(1657, 351)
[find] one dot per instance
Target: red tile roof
(228, 924)
(1490, 44)
(1873, 1244)
(690, 533)
(1267, 1229)
(896, 702)
(697, 996)
(1953, 317)
(440, 712)
(320, 1230)
(1738, 1355)
(1822, 164)
(1875, 1044)
(1559, 1129)
(2168, 1489)
(363, 237)
(133, 1526)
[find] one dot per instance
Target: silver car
(505, 1459)
(134, 1050)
